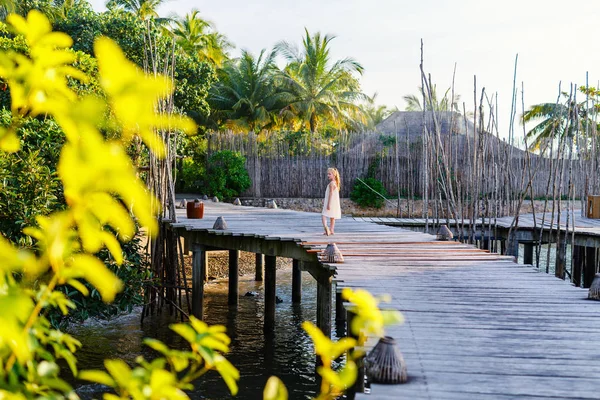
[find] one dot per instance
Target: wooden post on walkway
(324, 304)
(296, 282)
(528, 253)
(359, 384)
(589, 269)
(577, 264)
(270, 287)
(260, 262)
(340, 310)
(199, 267)
(234, 278)
(512, 247)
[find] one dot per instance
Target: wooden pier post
(270, 290)
(234, 278)
(512, 247)
(578, 257)
(589, 269)
(296, 282)
(359, 384)
(199, 267)
(260, 262)
(528, 253)
(340, 310)
(324, 304)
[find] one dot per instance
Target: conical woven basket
(332, 254)
(594, 292)
(385, 364)
(220, 224)
(444, 233)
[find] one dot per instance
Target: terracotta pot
(195, 209)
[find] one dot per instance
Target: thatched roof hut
(453, 127)
(411, 123)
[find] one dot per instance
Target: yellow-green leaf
(275, 389)
(96, 273)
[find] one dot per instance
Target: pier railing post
(324, 304)
(260, 262)
(199, 267)
(234, 258)
(270, 289)
(296, 282)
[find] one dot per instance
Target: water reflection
(286, 352)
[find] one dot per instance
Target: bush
(227, 175)
(364, 196)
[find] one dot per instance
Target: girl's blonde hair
(336, 176)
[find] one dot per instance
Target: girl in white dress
(331, 203)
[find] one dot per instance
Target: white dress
(334, 208)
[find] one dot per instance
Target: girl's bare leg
(332, 224)
(324, 220)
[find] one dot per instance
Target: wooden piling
(234, 277)
(340, 310)
(324, 304)
(260, 262)
(199, 267)
(270, 288)
(296, 282)
(512, 247)
(589, 268)
(528, 253)
(578, 255)
(359, 384)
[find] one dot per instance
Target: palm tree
(320, 91)
(558, 120)
(245, 98)
(197, 35)
(413, 102)
(144, 9)
(376, 113)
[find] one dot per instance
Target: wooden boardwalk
(582, 225)
(478, 326)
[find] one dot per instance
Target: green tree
(245, 99)
(196, 35)
(320, 91)
(446, 103)
(227, 174)
(143, 9)
(376, 113)
(560, 119)
(193, 78)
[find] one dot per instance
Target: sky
(556, 41)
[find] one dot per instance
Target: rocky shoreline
(218, 264)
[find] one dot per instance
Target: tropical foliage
(562, 119)
(245, 98)
(432, 103)
(321, 91)
(195, 35)
(105, 199)
(227, 175)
